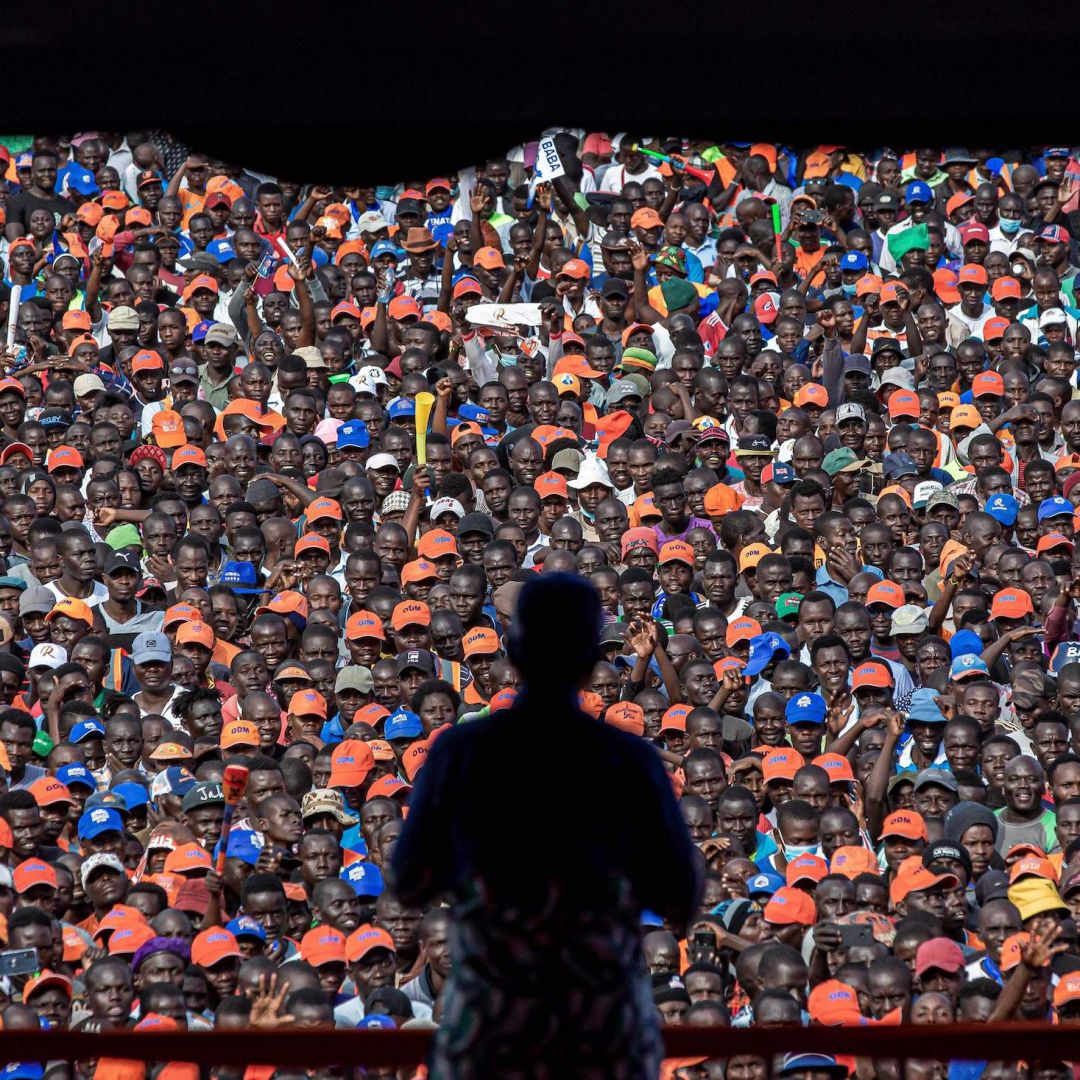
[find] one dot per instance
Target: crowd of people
(279, 458)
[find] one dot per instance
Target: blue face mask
(1009, 225)
(849, 291)
(796, 851)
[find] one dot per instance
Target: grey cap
(568, 459)
(850, 411)
(208, 793)
(261, 490)
(909, 619)
(936, 776)
(221, 334)
(897, 376)
(36, 598)
(620, 390)
(149, 647)
(354, 677)
(613, 632)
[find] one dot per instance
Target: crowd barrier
(308, 1047)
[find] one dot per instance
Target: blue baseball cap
(377, 1020)
(244, 844)
(365, 878)
(918, 191)
(23, 1070)
(134, 794)
(806, 709)
(967, 665)
(76, 774)
(109, 800)
(174, 780)
(650, 918)
(1003, 508)
(401, 407)
(246, 926)
(385, 247)
(854, 260)
(783, 473)
(202, 329)
(240, 577)
(1068, 652)
(83, 182)
(476, 413)
(764, 884)
(353, 433)
(95, 822)
(222, 250)
(763, 647)
(965, 642)
(922, 710)
(402, 724)
(899, 464)
(84, 729)
(149, 648)
(1055, 506)
(797, 1063)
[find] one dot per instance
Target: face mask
(849, 291)
(1009, 225)
(796, 851)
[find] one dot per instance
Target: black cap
(420, 659)
(475, 523)
(615, 287)
(754, 444)
(54, 418)
(122, 560)
(409, 206)
(884, 344)
(887, 201)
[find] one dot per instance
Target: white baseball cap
(47, 655)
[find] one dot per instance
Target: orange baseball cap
(373, 715)
(677, 551)
(721, 499)
(307, 703)
(200, 281)
(438, 543)
(188, 859)
(868, 283)
(350, 763)
(323, 945)
(806, 868)
(480, 642)
(885, 592)
(365, 938)
(197, 633)
(994, 329)
(410, 613)
(388, 787)
(77, 320)
(127, 940)
(905, 823)
(466, 427)
(412, 761)
(1011, 604)
(1011, 950)
(948, 399)
(852, 861)
(551, 484)
(903, 403)
(323, 508)
(167, 427)
(503, 699)
(890, 292)
(1052, 541)
(626, 716)
(31, 872)
(147, 360)
(790, 907)
(1032, 866)
(751, 555)
(646, 218)
(741, 629)
(1006, 288)
(73, 608)
(577, 366)
(837, 766)
(575, 268)
(64, 457)
(48, 791)
(489, 258)
(812, 394)
(961, 198)
(403, 307)
(988, 384)
(872, 673)
(364, 624)
(287, 602)
(311, 542)
(213, 945)
(1065, 993)
(675, 718)
(239, 733)
(189, 455)
(833, 1003)
(912, 876)
(972, 274)
(47, 977)
(965, 416)
(781, 763)
(418, 570)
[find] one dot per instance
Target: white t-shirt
(99, 594)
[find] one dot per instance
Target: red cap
(872, 673)
(837, 766)
(940, 953)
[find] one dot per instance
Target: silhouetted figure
(550, 831)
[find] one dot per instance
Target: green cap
(42, 744)
(678, 293)
(843, 460)
(915, 238)
(124, 536)
(787, 604)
